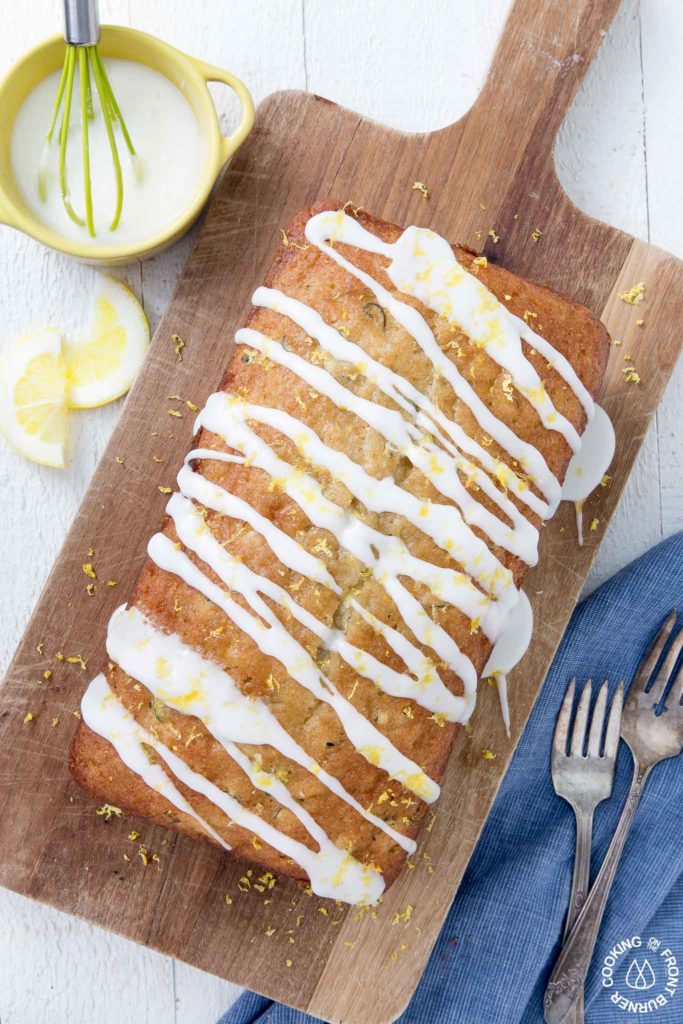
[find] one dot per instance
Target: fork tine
(647, 665)
(659, 686)
(614, 723)
(579, 730)
(676, 691)
(562, 726)
(597, 722)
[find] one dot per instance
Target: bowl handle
(210, 73)
(7, 215)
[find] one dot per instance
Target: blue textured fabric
(502, 934)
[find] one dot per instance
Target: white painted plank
(411, 65)
(600, 162)
(55, 969)
(201, 998)
(662, 24)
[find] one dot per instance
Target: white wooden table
(414, 64)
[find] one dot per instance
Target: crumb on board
(634, 294)
(419, 186)
(631, 375)
(107, 811)
(178, 346)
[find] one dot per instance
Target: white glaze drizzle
(422, 265)
(332, 872)
(273, 639)
(440, 468)
(383, 554)
(426, 414)
(441, 523)
(106, 716)
(180, 677)
(341, 228)
(426, 689)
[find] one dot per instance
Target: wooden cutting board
(492, 186)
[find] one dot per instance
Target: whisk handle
(81, 22)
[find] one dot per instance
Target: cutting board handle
(544, 51)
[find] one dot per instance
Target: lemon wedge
(33, 396)
(103, 365)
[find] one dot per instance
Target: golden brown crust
(303, 272)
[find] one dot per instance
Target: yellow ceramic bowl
(187, 73)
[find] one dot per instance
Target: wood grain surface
(492, 171)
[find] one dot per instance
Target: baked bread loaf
(345, 547)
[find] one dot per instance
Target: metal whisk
(82, 34)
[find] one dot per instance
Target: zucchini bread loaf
(344, 548)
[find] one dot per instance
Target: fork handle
(569, 974)
(582, 867)
(579, 890)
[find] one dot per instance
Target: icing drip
(458, 467)
(589, 465)
(509, 651)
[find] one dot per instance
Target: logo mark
(640, 976)
(639, 983)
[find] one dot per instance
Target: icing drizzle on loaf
(459, 468)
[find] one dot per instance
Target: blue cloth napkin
(502, 935)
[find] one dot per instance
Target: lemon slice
(103, 365)
(33, 406)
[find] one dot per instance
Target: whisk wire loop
(86, 115)
(104, 95)
(63, 137)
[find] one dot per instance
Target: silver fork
(584, 780)
(651, 738)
